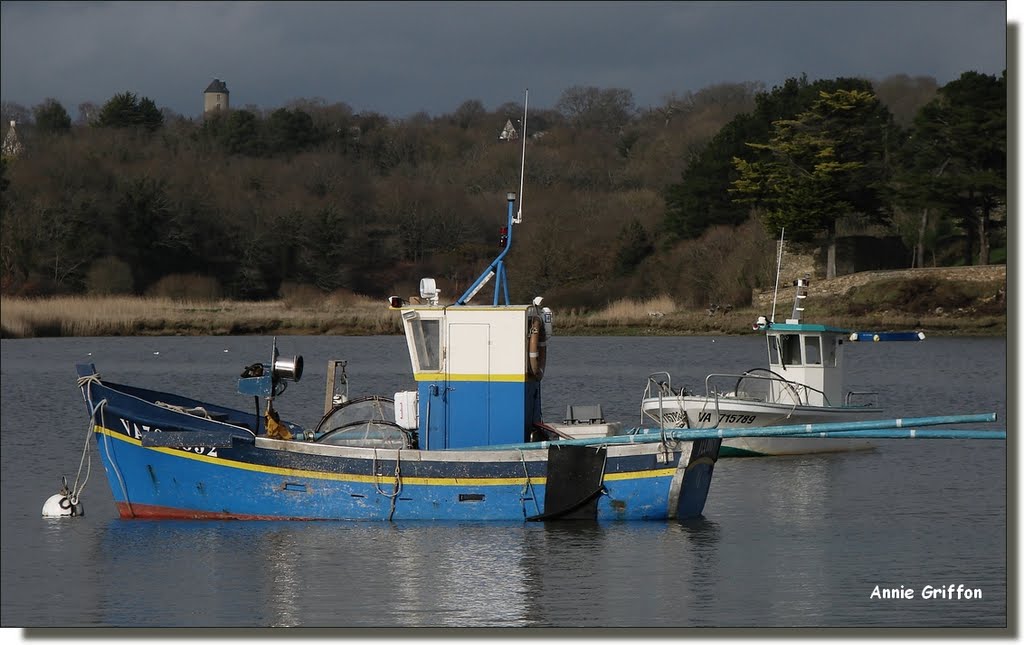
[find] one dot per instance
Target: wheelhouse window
(812, 350)
(426, 337)
(790, 345)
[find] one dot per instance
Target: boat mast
(496, 269)
(778, 271)
(775, 297)
(522, 166)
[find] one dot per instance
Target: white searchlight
(429, 291)
(288, 369)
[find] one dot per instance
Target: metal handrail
(796, 387)
(660, 385)
(718, 411)
(664, 389)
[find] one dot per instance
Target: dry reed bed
(629, 311)
(127, 316)
(132, 316)
(358, 315)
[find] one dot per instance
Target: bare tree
(593, 108)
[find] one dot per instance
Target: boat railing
(656, 385)
(661, 388)
(796, 393)
(738, 393)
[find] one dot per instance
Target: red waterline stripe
(151, 512)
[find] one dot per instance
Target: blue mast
(497, 268)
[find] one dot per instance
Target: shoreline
(946, 301)
(111, 317)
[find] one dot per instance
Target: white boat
(802, 383)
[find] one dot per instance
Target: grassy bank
(128, 316)
(948, 307)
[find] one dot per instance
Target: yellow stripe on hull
(423, 481)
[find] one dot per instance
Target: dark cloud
(400, 58)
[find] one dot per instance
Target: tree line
(683, 199)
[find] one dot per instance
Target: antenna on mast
(522, 168)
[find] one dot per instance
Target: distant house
(12, 145)
(509, 133)
(215, 97)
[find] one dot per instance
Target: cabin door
(468, 386)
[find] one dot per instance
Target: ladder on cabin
(801, 295)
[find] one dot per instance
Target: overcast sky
(400, 58)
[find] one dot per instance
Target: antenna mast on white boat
(522, 168)
(778, 271)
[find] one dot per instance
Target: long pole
(884, 428)
(522, 167)
(913, 433)
(844, 426)
(778, 272)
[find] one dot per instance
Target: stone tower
(215, 97)
(12, 145)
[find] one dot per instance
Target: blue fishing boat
(374, 458)
(468, 443)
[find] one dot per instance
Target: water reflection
(800, 492)
(211, 574)
(578, 574)
(458, 574)
(622, 575)
(408, 575)
(701, 536)
(282, 584)
(783, 569)
(166, 574)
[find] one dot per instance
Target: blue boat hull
(164, 463)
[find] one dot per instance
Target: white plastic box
(407, 410)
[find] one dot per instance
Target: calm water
(784, 541)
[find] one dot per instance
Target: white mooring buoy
(63, 504)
